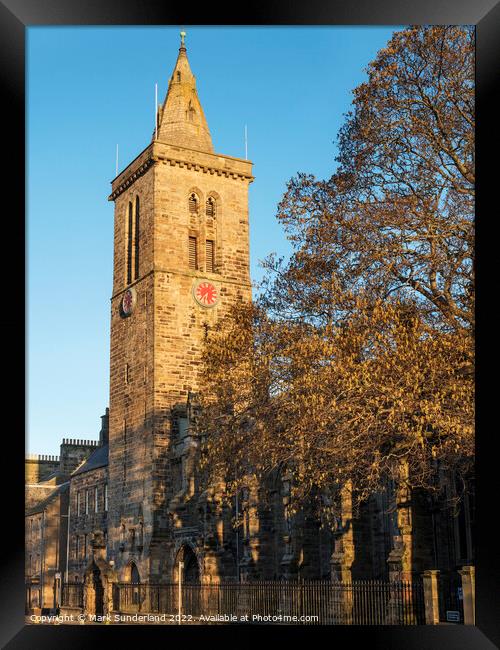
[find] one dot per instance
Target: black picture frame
(15, 16)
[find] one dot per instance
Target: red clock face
(206, 293)
(128, 302)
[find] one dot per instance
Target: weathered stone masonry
(131, 500)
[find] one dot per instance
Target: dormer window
(178, 75)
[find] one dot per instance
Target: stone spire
(181, 120)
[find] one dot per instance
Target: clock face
(128, 302)
(206, 293)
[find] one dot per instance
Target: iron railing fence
(32, 595)
(72, 594)
(361, 602)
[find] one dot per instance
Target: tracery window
(136, 237)
(130, 230)
(193, 203)
(210, 207)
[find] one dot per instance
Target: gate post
(431, 597)
(468, 575)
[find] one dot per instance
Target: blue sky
(91, 88)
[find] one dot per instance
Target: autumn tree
(359, 352)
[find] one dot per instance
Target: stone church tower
(181, 258)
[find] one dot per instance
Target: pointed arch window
(193, 203)
(136, 228)
(133, 241)
(178, 75)
(210, 207)
(134, 574)
(130, 230)
(135, 579)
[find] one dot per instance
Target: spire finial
(183, 45)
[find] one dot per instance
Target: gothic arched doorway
(135, 581)
(190, 569)
(98, 592)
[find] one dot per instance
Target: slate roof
(98, 458)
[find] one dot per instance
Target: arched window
(136, 237)
(210, 207)
(134, 574)
(135, 579)
(129, 242)
(210, 256)
(178, 75)
(211, 235)
(193, 203)
(193, 253)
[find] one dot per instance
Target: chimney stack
(104, 432)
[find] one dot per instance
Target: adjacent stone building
(48, 482)
(45, 552)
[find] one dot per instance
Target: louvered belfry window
(130, 242)
(192, 253)
(210, 208)
(193, 204)
(210, 256)
(136, 239)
